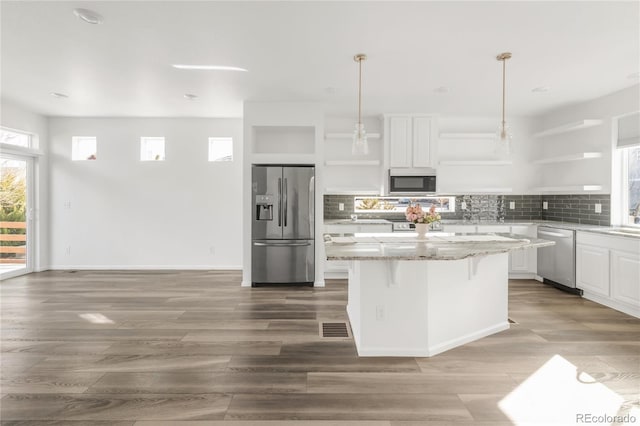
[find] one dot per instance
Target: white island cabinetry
(608, 270)
(411, 296)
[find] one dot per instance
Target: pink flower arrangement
(415, 214)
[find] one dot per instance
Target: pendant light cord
(504, 68)
(360, 91)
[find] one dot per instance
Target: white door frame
(30, 219)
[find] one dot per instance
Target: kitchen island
(420, 297)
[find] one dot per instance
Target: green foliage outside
(13, 203)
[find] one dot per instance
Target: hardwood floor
(194, 348)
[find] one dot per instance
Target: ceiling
(300, 50)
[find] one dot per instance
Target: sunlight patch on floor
(96, 318)
(558, 393)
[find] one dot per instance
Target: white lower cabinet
(339, 268)
(356, 228)
(469, 229)
(592, 269)
(522, 263)
(625, 277)
(608, 270)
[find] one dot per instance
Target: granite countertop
(440, 246)
(615, 231)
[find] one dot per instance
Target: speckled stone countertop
(615, 231)
(435, 246)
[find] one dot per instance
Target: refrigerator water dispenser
(264, 207)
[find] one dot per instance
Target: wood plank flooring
(194, 348)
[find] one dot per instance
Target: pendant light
(504, 135)
(360, 145)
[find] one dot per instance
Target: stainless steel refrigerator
(282, 230)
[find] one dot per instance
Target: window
(152, 149)
(220, 149)
(83, 148)
(399, 204)
(12, 137)
(631, 186)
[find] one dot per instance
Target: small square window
(152, 149)
(84, 148)
(12, 137)
(221, 149)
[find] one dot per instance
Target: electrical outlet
(463, 205)
(512, 205)
(379, 312)
(68, 250)
(67, 204)
(598, 208)
(341, 206)
(212, 250)
(545, 205)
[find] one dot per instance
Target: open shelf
(569, 127)
(351, 191)
(349, 135)
(476, 162)
(572, 157)
(478, 190)
(568, 188)
(357, 163)
(467, 135)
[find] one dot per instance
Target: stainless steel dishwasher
(557, 263)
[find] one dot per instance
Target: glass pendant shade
(360, 145)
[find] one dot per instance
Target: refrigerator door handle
(284, 196)
(300, 244)
(312, 202)
(279, 201)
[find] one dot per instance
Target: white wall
(119, 212)
(599, 138)
(16, 117)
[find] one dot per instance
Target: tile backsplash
(565, 208)
(578, 208)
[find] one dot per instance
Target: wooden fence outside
(19, 251)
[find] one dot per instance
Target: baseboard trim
(629, 310)
(431, 350)
(146, 267)
(522, 276)
(501, 326)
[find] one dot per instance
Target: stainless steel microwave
(412, 181)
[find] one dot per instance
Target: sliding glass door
(16, 213)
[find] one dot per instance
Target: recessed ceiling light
(541, 89)
(190, 96)
(207, 67)
(634, 75)
(58, 95)
(88, 16)
(442, 89)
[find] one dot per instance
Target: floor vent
(334, 329)
(511, 321)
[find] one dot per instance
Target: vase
(421, 229)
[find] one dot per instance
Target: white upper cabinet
(399, 131)
(421, 139)
(409, 140)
